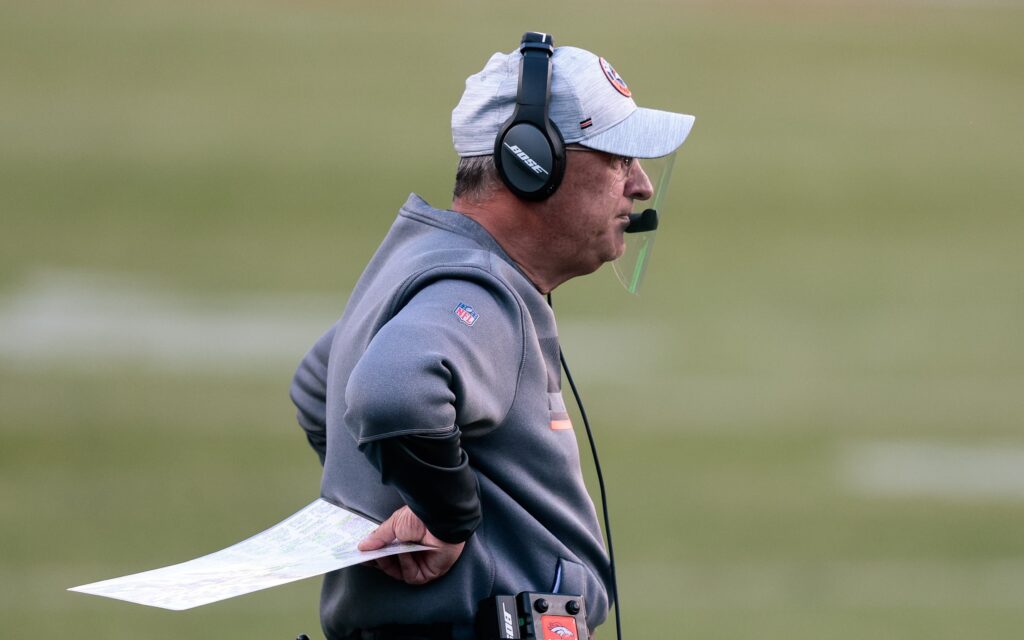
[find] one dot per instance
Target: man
(435, 402)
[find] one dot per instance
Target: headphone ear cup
(529, 152)
(529, 161)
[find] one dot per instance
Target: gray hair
(475, 177)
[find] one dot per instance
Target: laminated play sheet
(315, 540)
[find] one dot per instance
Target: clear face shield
(631, 266)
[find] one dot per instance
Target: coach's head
(549, 141)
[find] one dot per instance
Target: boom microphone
(640, 222)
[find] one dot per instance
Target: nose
(639, 187)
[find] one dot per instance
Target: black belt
(404, 632)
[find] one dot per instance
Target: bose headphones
(529, 152)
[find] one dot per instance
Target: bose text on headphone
(529, 152)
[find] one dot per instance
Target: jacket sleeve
(445, 368)
(309, 394)
(433, 476)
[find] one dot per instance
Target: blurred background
(811, 420)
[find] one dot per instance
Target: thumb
(379, 537)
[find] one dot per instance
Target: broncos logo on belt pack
(560, 628)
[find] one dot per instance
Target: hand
(419, 567)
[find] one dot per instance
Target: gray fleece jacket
(443, 333)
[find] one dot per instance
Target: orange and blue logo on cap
(614, 78)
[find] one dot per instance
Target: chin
(619, 250)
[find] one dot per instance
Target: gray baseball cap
(590, 104)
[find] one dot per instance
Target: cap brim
(646, 133)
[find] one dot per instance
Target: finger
(410, 567)
(440, 563)
(389, 566)
(436, 564)
(379, 537)
(407, 527)
(385, 565)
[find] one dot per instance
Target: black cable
(600, 483)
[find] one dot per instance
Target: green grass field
(840, 272)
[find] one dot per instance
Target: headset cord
(600, 484)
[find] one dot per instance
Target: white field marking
(75, 321)
(80, 322)
(967, 4)
(991, 583)
(71, 320)
(928, 469)
(981, 4)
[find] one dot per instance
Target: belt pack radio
(532, 616)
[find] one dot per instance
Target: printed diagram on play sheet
(315, 540)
